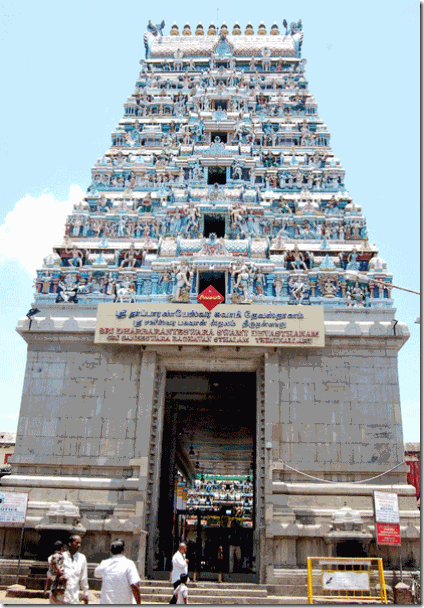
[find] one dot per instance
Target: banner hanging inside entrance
(227, 324)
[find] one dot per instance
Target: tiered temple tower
(219, 173)
(221, 162)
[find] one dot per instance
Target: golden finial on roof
(249, 31)
(199, 30)
(187, 30)
(174, 30)
(262, 29)
(224, 29)
(274, 31)
(212, 30)
(236, 29)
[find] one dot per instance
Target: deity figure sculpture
(259, 283)
(241, 275)
(78, 222)
(184, 275)
(252, 224)
(278, 285)
(238, 130)
(165, 281)
(130, 257)
(237, 212)
(357, 296)
(109, 284)
(193, 214)
(120, 226)
(352, 263)
(237, 170)
(197, 170)
(299, 287)
(124, 291)
(76, 257)
(328, 286)
(298, 259)
(67, 290)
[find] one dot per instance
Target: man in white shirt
(179, 564)
(121, 581)
(75, 566)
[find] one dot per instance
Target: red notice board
(388, 534)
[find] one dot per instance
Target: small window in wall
(6, 458)
(221, 104)
(214, 224)
(216, 279)
(217, 175)
(222, 136)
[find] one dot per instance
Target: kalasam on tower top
(220, 179)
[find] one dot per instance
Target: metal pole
(365, 279)
(20, 551)
(400, 563)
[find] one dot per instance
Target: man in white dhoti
(179, 564)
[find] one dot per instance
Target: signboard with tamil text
(226, 324)
(13, 507)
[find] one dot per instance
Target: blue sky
(68, 68)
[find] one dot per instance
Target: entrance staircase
(216, 593)
(289, 587)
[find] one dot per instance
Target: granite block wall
(334, 410)
(79, 408)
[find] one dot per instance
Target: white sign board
(225, 325)
(13, 507)
(386, 508)
(346, 581)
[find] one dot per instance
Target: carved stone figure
(124, 291)
(299, 287)
(241, 275)
(259, 283)
(130, 257)
(164, 282)
(298, 259)
(184, 275)
(328, 285)
(278, 285)
(67, 290)
(77, 256)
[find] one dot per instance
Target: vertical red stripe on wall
(413, 476)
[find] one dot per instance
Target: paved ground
(8, 601)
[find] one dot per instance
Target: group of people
(68, 579)
(180, 575)
(67, 575)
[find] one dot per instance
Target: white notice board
(386, 508)
(13, 507)
(346, 581)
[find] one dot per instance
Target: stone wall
(90, 432)
(79, 409)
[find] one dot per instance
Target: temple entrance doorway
(207, 481)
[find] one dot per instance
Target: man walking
(75, 566)
(179, 564)
(121, 581)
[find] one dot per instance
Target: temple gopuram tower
(215, 308)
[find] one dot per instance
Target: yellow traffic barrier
(344, 580)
